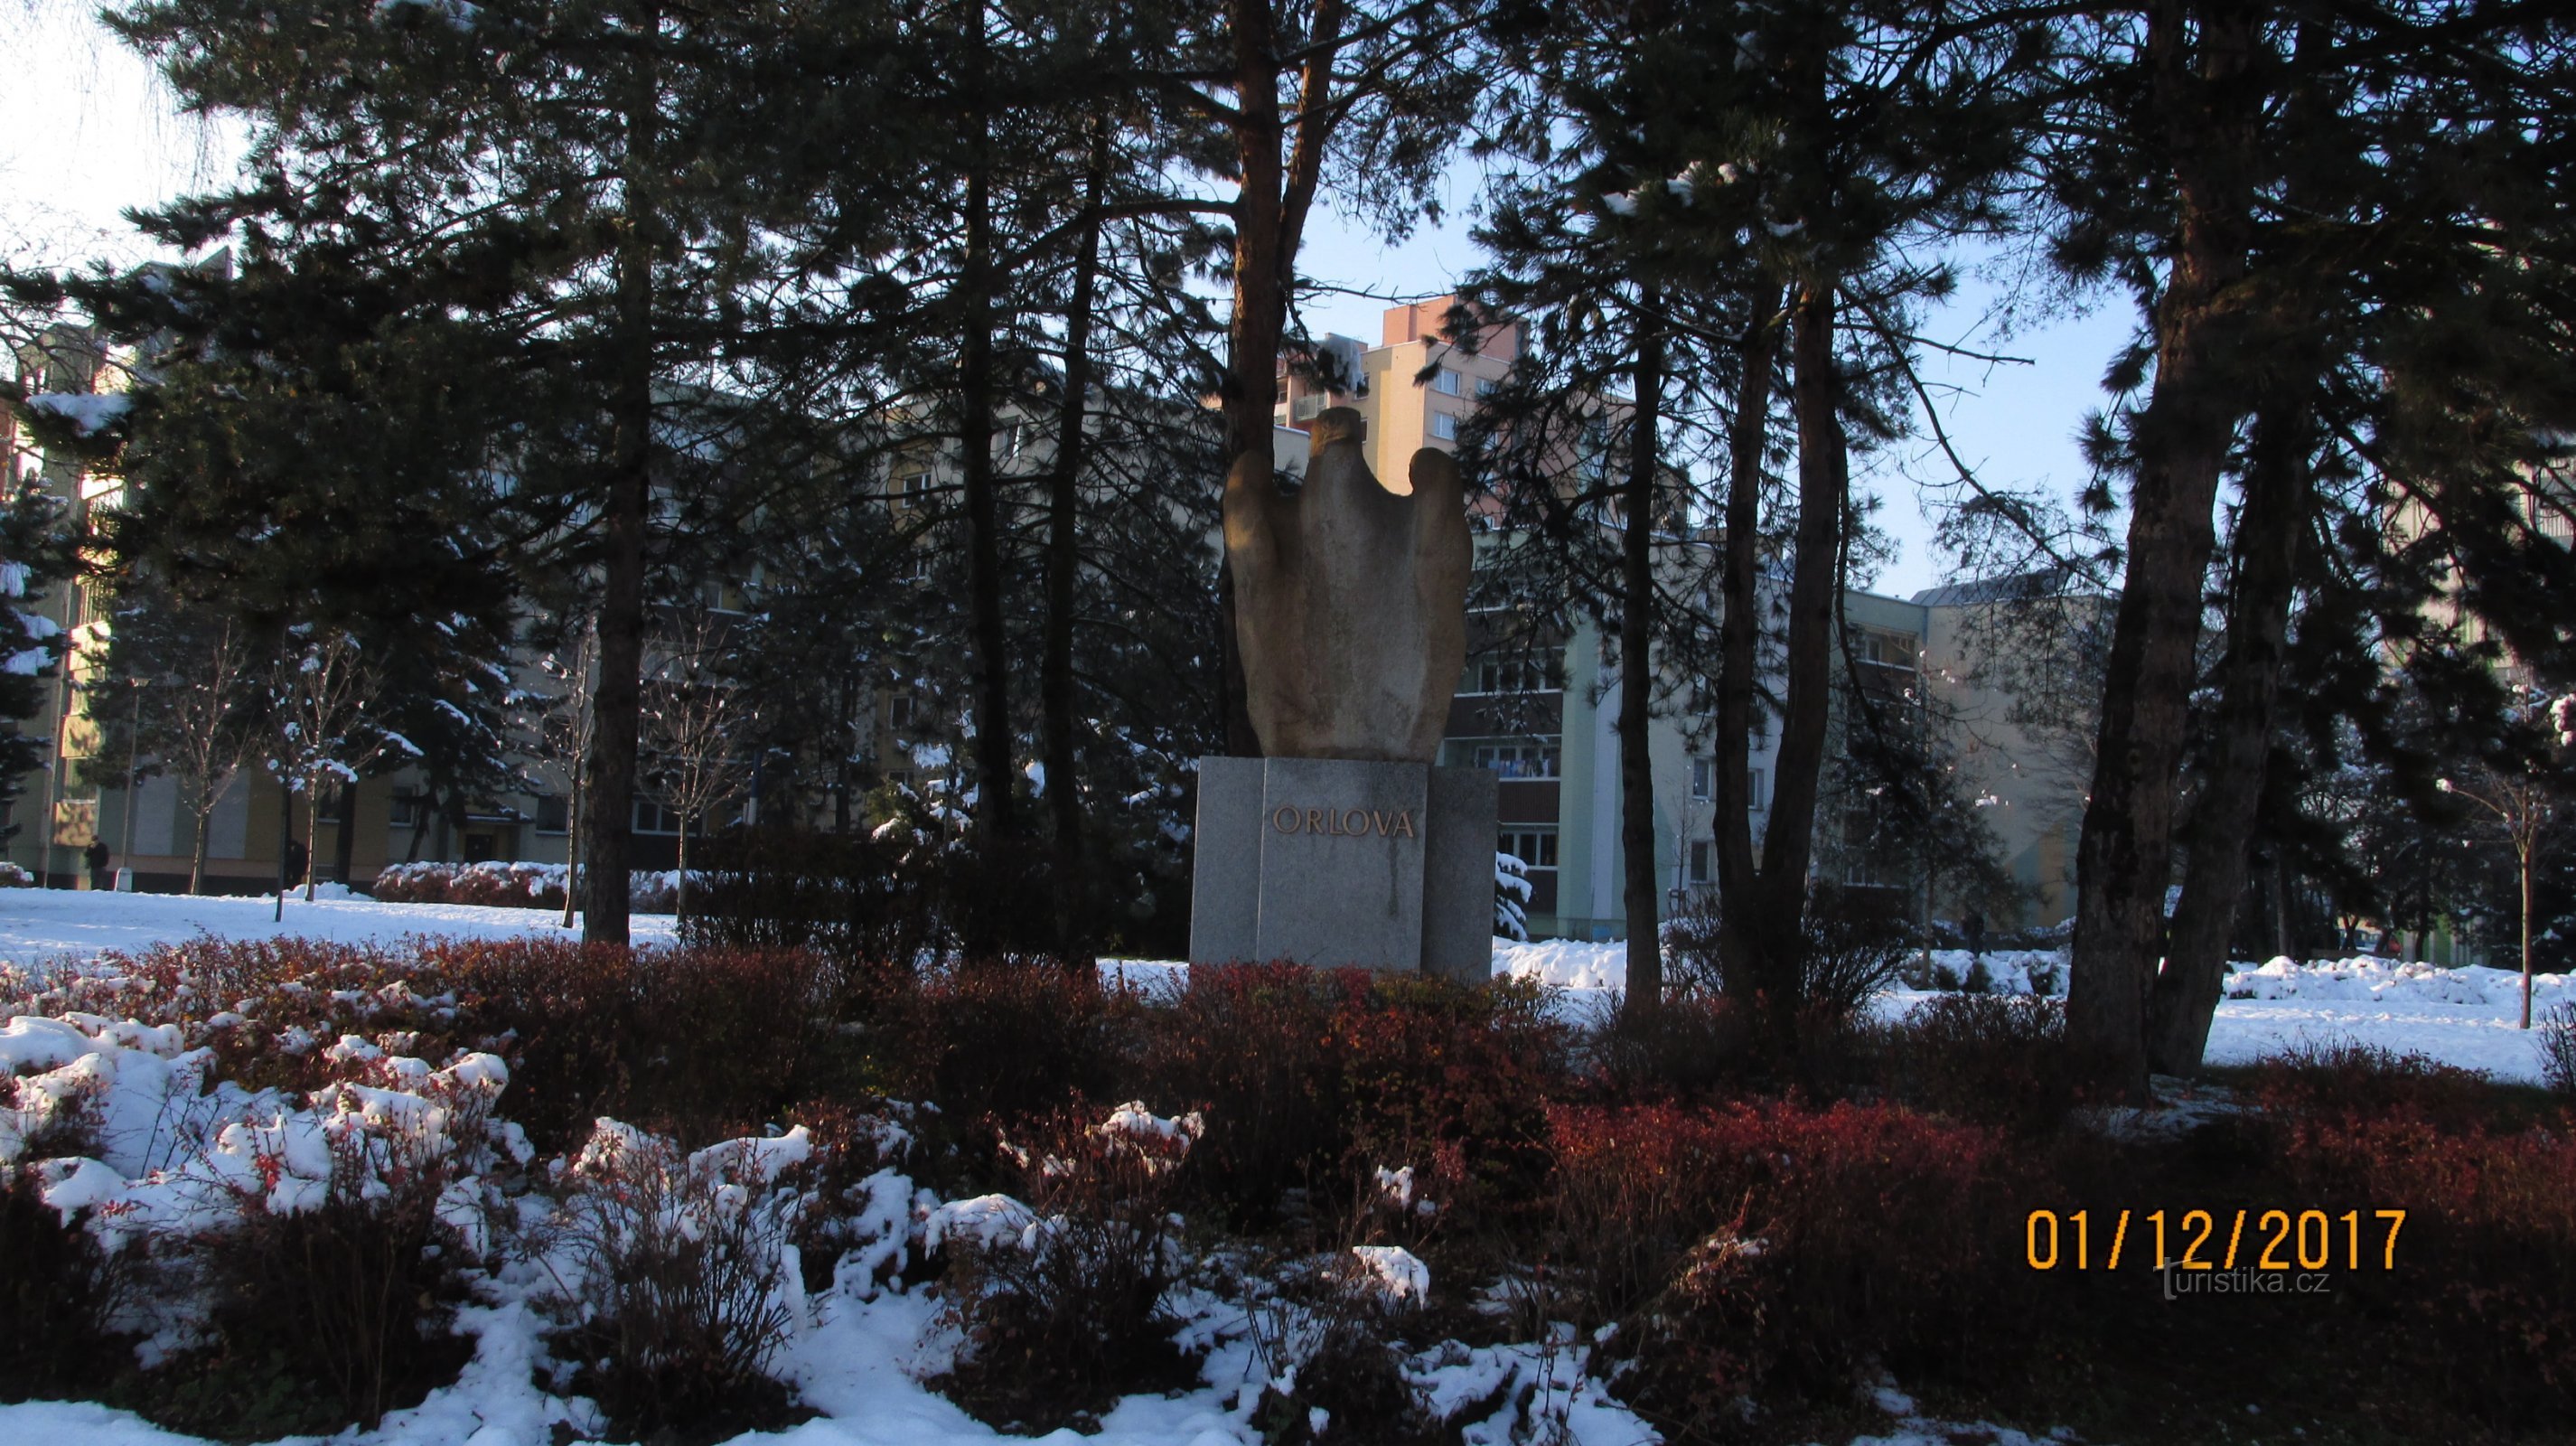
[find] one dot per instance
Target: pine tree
(2299, 201)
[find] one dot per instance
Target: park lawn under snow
(2467, 1017)
(2464, 1017)
(37, 925)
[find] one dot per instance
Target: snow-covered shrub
(682, 1282)
(1060, 1289)
(59, 1294)
(1323, 1327)
(499, 884)
(352, 1223)
(2557, 1029)
(853, 1234)
(515, 884)
(301, 1251)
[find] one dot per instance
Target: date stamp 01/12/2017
(2257, 1242)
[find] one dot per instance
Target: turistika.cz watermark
(2244, 1280)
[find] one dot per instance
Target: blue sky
(2014, 423)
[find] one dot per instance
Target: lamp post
(133, 739)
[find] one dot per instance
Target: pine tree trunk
(1058, 699)
(680, 890)
(1639, 882)
(344, 843)
(1739, 635)
(1270, 209)
(2285, 936)
(2239, 743)
(2124, 857)
(1776, 929)
(616, 699)
(1251, 384)
(994, 807)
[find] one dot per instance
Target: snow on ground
(37, 925)
(2460, 1016)
(2467, 1017)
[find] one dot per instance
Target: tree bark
(1270, 209)
(344, 844)
(1776, 928)
(616, 699)
(1739, 633)
(2239, 746)
(995, 802)
(1639, 881)
(1059, 700)
(2124, 857)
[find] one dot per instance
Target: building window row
(1535, 847)
(1516, 760)
(1512, 675)
(1703, 781)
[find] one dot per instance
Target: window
(407, 809)
(1699, 863)
(1445, 382)
(554, 814)
(899, 712)
(1517, 760)
(1444, 426)
(654, 816)
(1487, 386)
(910, 483)
(1310, 407)
(1755, 800)
(903, 778)
(1894, 650)
(1592, 450)
(1008, 439)
(1703, 777)
(1511, 675)
(1535, 847)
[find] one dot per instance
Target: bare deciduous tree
(694, 721)
(558, 725)
(322, 694)
(209, 730)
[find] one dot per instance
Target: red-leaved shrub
(1311, 1076)
(2481, 1276)
(1758, 1244)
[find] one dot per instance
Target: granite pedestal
(1332, 862)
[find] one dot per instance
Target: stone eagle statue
(1350, 600)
